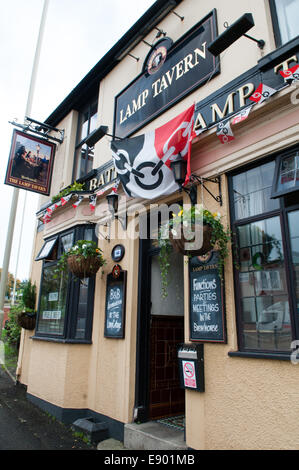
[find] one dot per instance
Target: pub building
(221, 367)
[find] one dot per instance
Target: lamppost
(15, 196)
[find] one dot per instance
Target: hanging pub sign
(207, 318)
(30, 163)
(170, 75)
(115, 303)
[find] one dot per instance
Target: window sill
(261, 355)
(61, 340)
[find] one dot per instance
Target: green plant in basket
(181, 229)
(29, 295)
(83, 259)
(25, 312)
(73, 187)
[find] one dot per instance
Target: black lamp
(96, 135)
(233, 33)
(179, 168)
(112, 200)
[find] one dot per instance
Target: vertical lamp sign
(30, 163)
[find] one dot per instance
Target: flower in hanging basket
(26, 316)
(193, 240)
(194, 231)
(84, 259)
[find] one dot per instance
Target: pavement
(24, 426)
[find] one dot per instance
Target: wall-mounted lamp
(97, 135)
(112, 200)
(233, 33)
(179, 168)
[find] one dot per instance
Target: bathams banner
(30, 163)
(173, 75)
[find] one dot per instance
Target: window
(65, 302)
(84, 155)
(293, 218)
(46, 250)
(286, 175)
(285, 14)
(267, 255)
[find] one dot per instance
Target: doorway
(160, 331)
(166, 332)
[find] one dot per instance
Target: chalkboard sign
(115, 305)
(207, 319)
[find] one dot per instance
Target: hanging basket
(84, 267)
(179, 243)
(27, 320)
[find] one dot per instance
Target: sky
(77, 34)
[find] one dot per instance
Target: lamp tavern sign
(168, 79)
(170, 75)
(222, 104)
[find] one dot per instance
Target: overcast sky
(77, 34)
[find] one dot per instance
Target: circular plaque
(118, 253)
(157, 56)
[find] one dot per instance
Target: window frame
(275, 23)
(72, 296)
(79, 143)
(282, 212)
(276, 29)
(40, 256)
(276, 193)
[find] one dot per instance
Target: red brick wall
(6, 310)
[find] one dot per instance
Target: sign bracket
(215, 180)
(40, 128)
(193, 193)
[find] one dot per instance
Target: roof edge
(90, 83)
